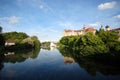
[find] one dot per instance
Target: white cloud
(117, 17)
(107, 5)
(95, 24)
(10, 20)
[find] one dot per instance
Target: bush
(110, 38)
(88, 44)
(2, 40)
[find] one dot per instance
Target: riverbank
(92, 44)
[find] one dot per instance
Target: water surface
(54, 65)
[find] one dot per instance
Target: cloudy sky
(48, 18)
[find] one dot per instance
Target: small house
(9, 42)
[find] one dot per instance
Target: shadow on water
(1, 61)
(49, 48)
(18, 56)
(51, 65)
(105, 64)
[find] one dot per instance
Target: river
(53, 65)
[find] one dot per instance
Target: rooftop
(116, 29)
(86, 30)
(90, 29)
(10, 41)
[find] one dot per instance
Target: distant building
(68, 60)
(107, 28)
(52, 44)
(78, 32)
(52, 48)
(9, 54)
(9, 42)
(117, 30)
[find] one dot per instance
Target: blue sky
(48, 18)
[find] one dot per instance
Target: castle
(86, 30)
(79, 32)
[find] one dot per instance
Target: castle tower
(107, 28)
(84, 27)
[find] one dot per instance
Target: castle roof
(90, 29)
(68, 30)
(86, 30)
(78, 30)
(116, 29)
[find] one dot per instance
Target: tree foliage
(89, 44)
(22, 41)
(17, 36)
(110, 38)
(36, 42)
(0, 29)
(45, 44)
(2, 40)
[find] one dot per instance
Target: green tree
(17, 36)
(34, 37)
(64, 41)
(2, 40)
(87, 44)
(110, 38)
(45, 44)
(71, 41)
(0, 29)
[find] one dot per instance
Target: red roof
(10, 41)
(86, 30)
(117, 29)
(78, 30)
(90, 29)
(73, 30)
(68, 30)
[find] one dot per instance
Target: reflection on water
(52, 48)
(68, 60)
(91, 65)
(9, 54)
(53, 64)
(20, 56)
(49, 48)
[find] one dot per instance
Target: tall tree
(2, 40)
(0, 29)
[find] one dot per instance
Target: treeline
(17, 36)
(90, 44)
(45, 45)
(22, 41)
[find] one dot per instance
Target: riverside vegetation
(102, 48)
(101, 43)
(22, 42)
